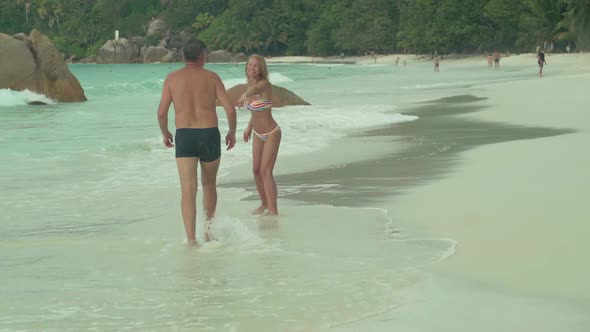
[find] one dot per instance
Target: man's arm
(163, 109)
(230, 111)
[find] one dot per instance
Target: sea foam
(16, 98)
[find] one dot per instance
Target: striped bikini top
(258, 105)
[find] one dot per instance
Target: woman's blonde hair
(262, 63)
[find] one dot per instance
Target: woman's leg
(257, 148)
(267, 164)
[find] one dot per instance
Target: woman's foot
(260, 210)
(272, 212)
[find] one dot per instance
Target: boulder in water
(118, 51)
(36, 102)
(280, 96)
(33, 63)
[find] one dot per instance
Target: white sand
(519, 210)
(581, 61)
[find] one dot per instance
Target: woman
(541, 62)
(265, 147)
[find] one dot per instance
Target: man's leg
(187, 171)
(209, 184)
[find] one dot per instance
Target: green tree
(417, 29)
(503, 16)
(366, 25)
(51, 11)
(575, 25)
(538, 23)
(203, 21)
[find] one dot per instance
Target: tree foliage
(299, 27)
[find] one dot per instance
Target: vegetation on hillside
(310, 27)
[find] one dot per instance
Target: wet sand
(503, 171)
(477, 169)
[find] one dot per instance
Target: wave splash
(17, 98)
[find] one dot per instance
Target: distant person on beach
(497, 57)
(265, 145)
(541, 62)
(490, 61)
(194, 90)
(568, 48)
(436, 62)
(396, 60)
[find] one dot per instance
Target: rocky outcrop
(171, 57)
(72, 59)
(90, 59)
(156, 25)
(225, 56)
(154, 54)
(176, 40)
(33, 63)
(118, 51)
(280, 96)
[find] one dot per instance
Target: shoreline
(501, 172)
(526, 59)
(390, 59)
(533, 242)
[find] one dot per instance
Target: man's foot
(208, 232)
(272, 213)
(260, 210)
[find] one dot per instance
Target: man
(497, 57)
(194, 91)
(436, 62)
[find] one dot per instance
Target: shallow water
(91, 234)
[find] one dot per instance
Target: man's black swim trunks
(202, 143)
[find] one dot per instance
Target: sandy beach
(409, 201)
(519, 208)
(579, 60)
(512, 193)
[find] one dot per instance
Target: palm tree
(576, 22)
(539, 22)
(27, 4)
(51, 10)
(203, 21)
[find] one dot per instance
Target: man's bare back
(194, 91)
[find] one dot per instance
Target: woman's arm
(256, 88)
(248, 131)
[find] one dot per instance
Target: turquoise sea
(91, 237)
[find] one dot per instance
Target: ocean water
(91, 236)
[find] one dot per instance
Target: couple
(194, 91)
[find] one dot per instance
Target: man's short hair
(193, 49)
